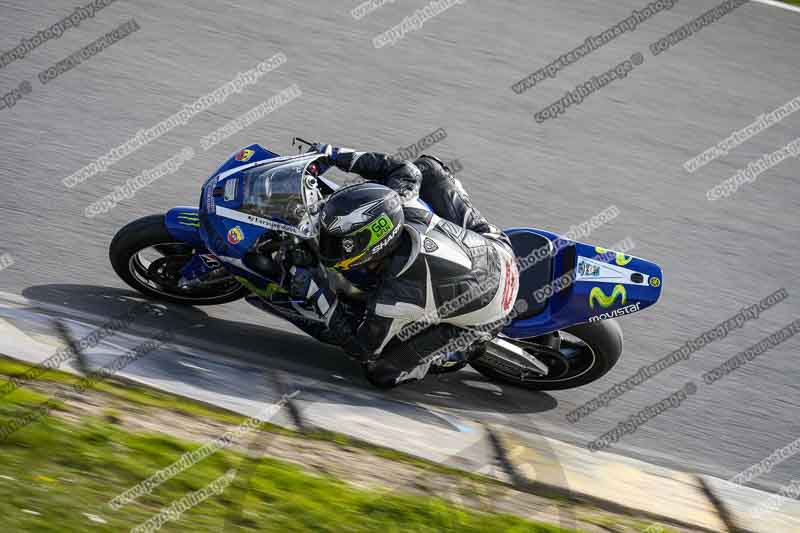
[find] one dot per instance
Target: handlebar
(300, 140)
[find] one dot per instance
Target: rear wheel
(576, 356)
(150, 260)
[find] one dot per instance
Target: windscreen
(275, 192)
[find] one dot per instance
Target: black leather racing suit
(449, 285)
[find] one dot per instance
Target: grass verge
(148, 397)
(58, 475)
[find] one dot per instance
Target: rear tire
(603, 348)
(149, 232)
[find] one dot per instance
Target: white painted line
(781, 5)
(195, 367)
(10, 296)
(75, 313)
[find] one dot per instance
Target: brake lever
(296, 140)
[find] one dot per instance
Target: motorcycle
(254, 231)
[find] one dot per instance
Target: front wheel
(149, 259)
(574, 357)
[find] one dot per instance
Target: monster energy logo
(189, 219)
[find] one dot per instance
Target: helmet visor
(343, 252)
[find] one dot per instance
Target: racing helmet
(359, 226)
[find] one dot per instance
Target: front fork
(202, 269)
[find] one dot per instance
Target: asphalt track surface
(624, 145)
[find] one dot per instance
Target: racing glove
(331, 152)
(307, 284)
(343, 323)
(342, 318)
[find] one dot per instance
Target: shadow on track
(268, 348)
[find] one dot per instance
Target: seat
(536, 276)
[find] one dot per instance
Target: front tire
(157, 278)
(573, 364)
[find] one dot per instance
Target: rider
(438, 283)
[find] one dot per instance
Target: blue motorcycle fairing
(224, 192)
(248, 154)
(586, 283)
(183, 224)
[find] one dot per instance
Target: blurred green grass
(58, 476)
(139, 395)
(152, 398)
